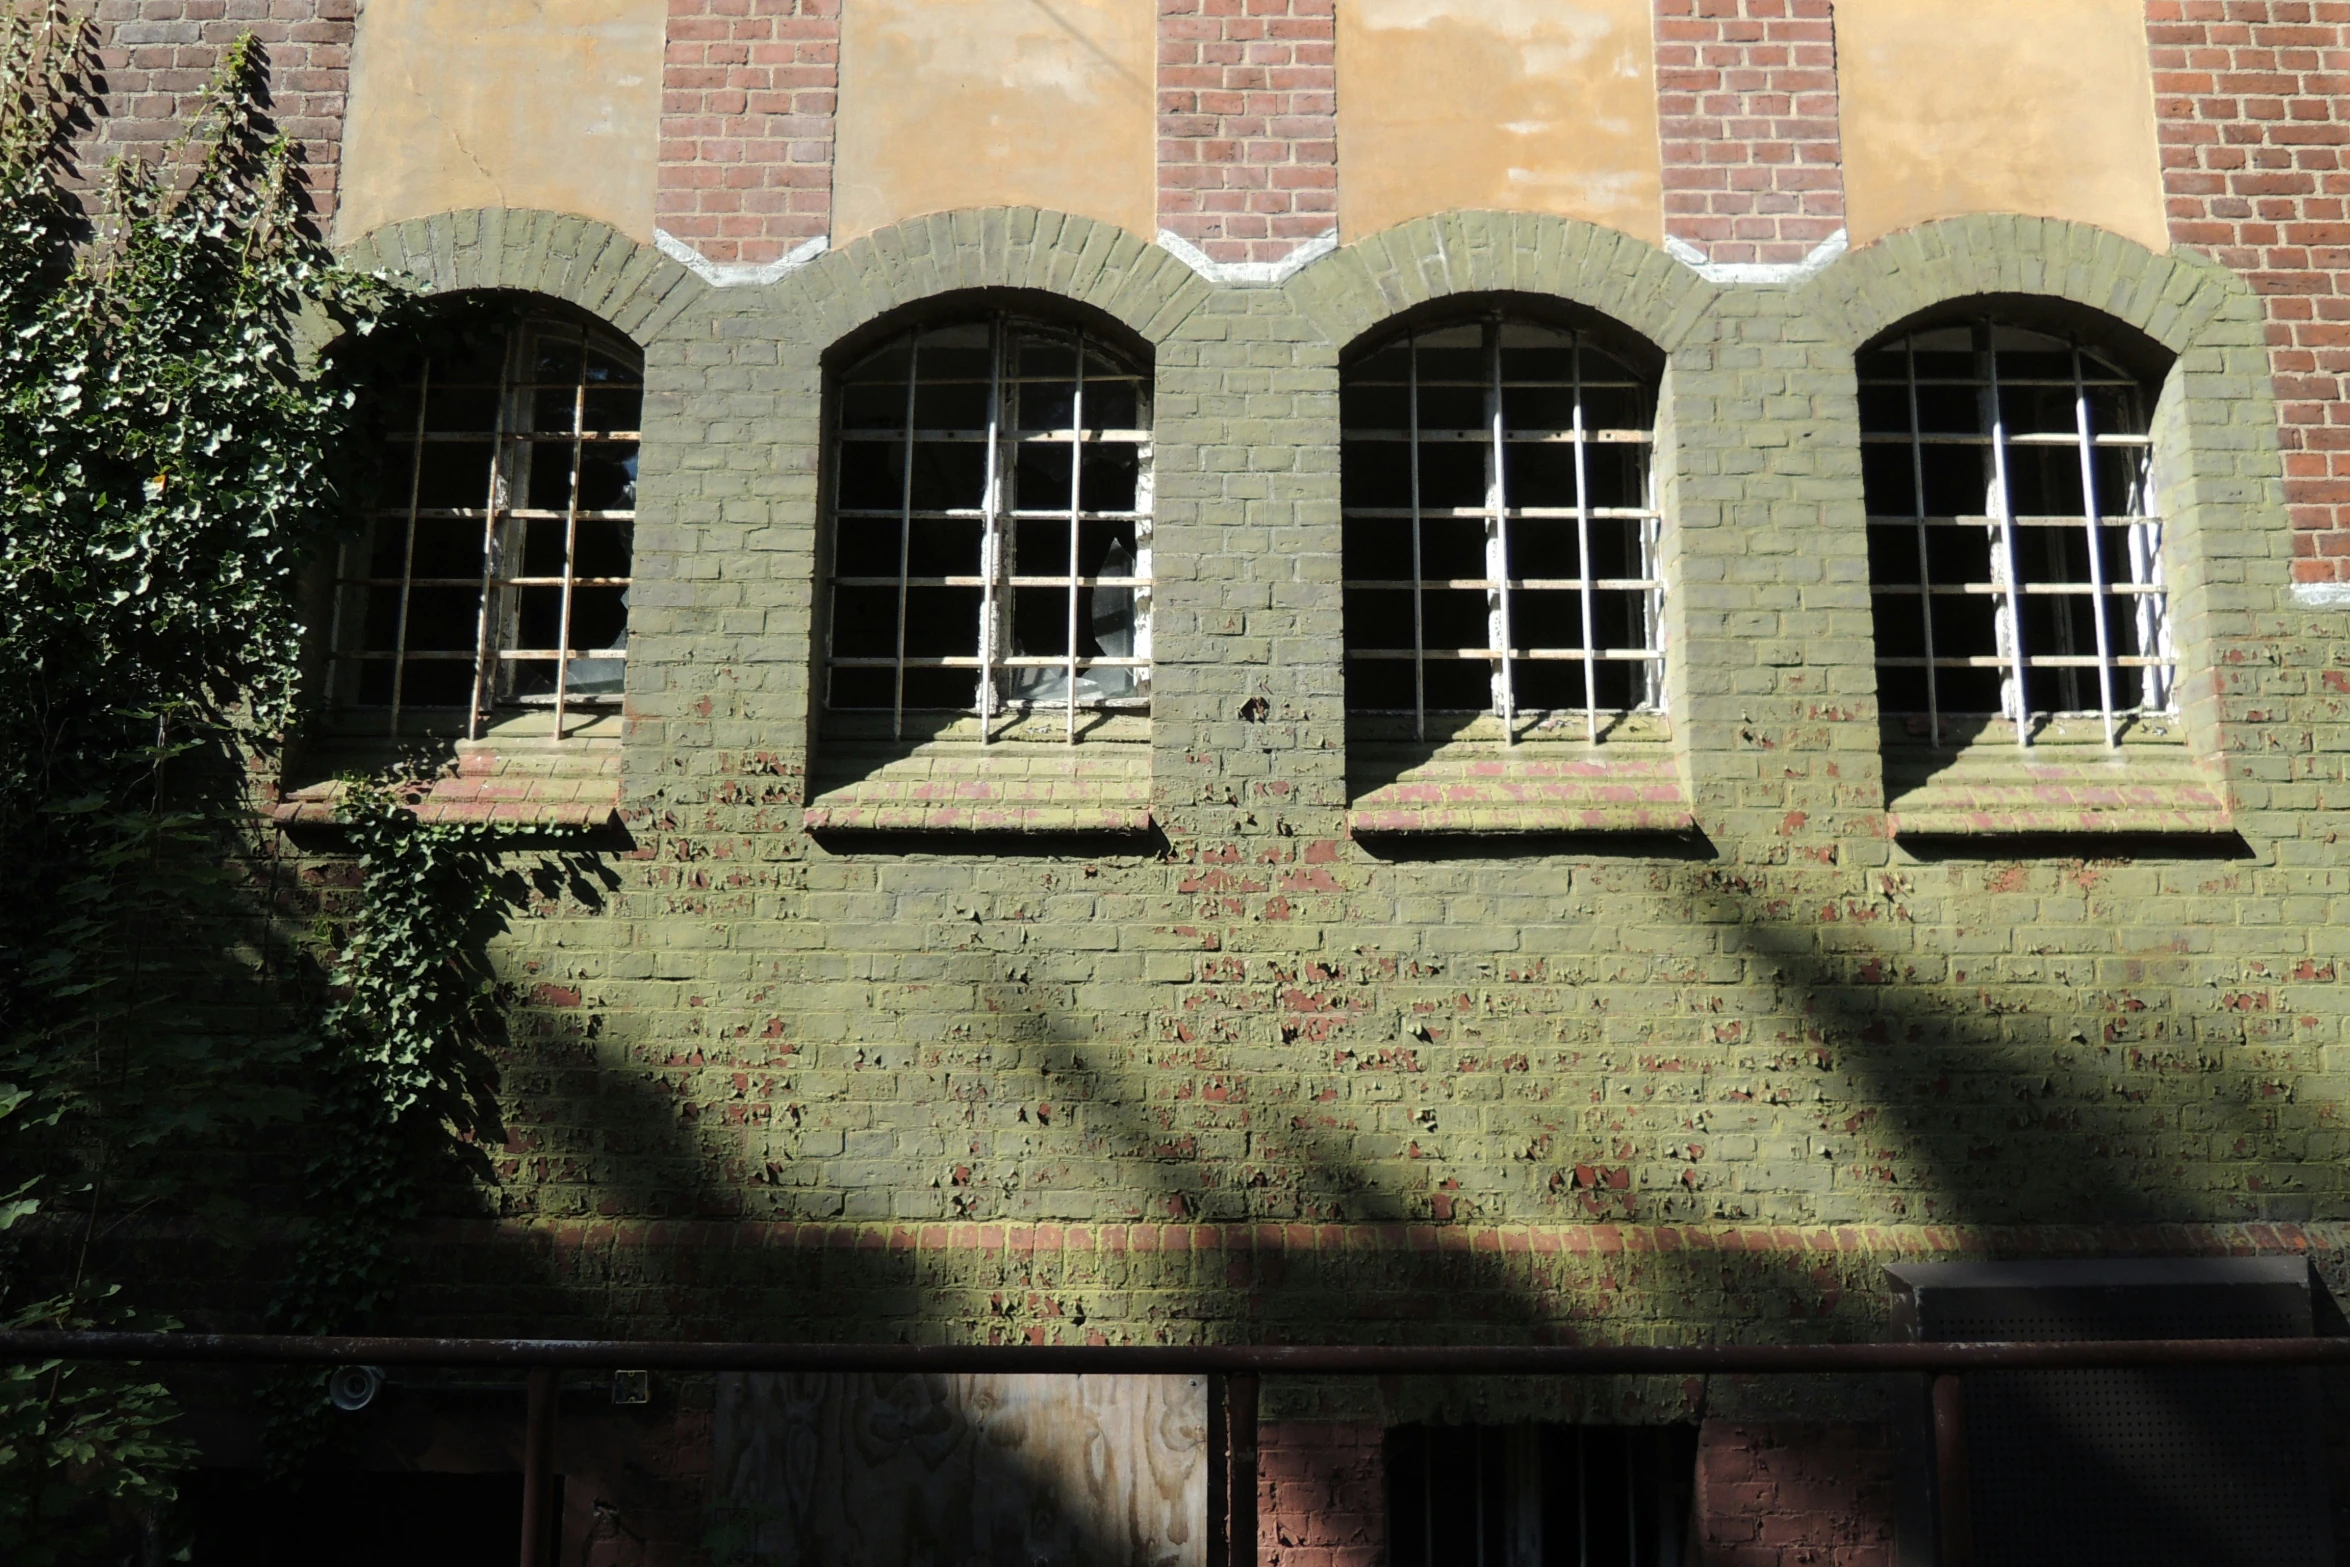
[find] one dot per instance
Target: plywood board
(913, 1471)
(503, 103)
(1960, 106)
(1509, 105)
(983, 103)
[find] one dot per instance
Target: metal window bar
(991, 531)
(1497, 547)
(2021, 539)
(1530, 1495)
(1917, 471)
(1513, 641)
(500, 481)
(570, 541)
(2008, 561)
(1583, 551)
(408, 550)
(1076, 512)
(897, 721)
(2086, 435)
(1419, 572)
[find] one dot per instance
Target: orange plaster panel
(2028, 106)
(1511, 105)
(504, 103)
(984, 103)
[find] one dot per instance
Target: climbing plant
(168, 458)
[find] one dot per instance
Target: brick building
(1353, 670)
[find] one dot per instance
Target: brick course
(157, 55)
(2248, 97)
(1248, 125)
(1747, 109)
(748, 92)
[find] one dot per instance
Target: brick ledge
(2062, 798)
(1582, 793)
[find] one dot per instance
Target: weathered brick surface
(1248, 125)
(2249, 97)
(1747, 109)
(1322, 1494)
(156, 56)
(1795, 1495)
(748, 91)
(1262, 1020)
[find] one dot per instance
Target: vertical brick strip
(1248, 125)
(2249, 103)
(748, 92)
(157, 55)
(1747, 110)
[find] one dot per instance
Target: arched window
(991, 527)
(2014, 555)
(1501, 534)
(493, 572)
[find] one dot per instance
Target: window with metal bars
(1540, 1495)
(493, 571)
(991, 528)
(1501, 533)
(2014, 556)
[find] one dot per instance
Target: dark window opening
(1501, 538)
(991, 526)
(494, 568)
(2015, 560)
(1540, 1495)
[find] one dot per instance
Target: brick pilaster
(156, 56)
(1747, 110)
(1321, 1494)
(748, 93)
(1792, 1494)
(1248, 125)
(2250, 108)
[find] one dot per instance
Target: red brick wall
(156, 56)
(1248, 124)
(1321, 1495)
(1795, 1495)
(748, 92)
(2248, 96)
(1747, 110)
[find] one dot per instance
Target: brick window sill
(1531, 789)
(532, 782)
(1012, 786)
(2066, 784)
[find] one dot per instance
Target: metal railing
(1235, 1372)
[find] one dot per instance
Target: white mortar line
(738, 274)
(1248, 274)
(1760, 273)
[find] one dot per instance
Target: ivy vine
(170, 460)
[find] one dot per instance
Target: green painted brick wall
(1749, 1074)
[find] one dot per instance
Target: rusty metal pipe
(1219, 1476)
(1243, 1422)
(1171, 1360)
(538, 1470)
(1953, 1497)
